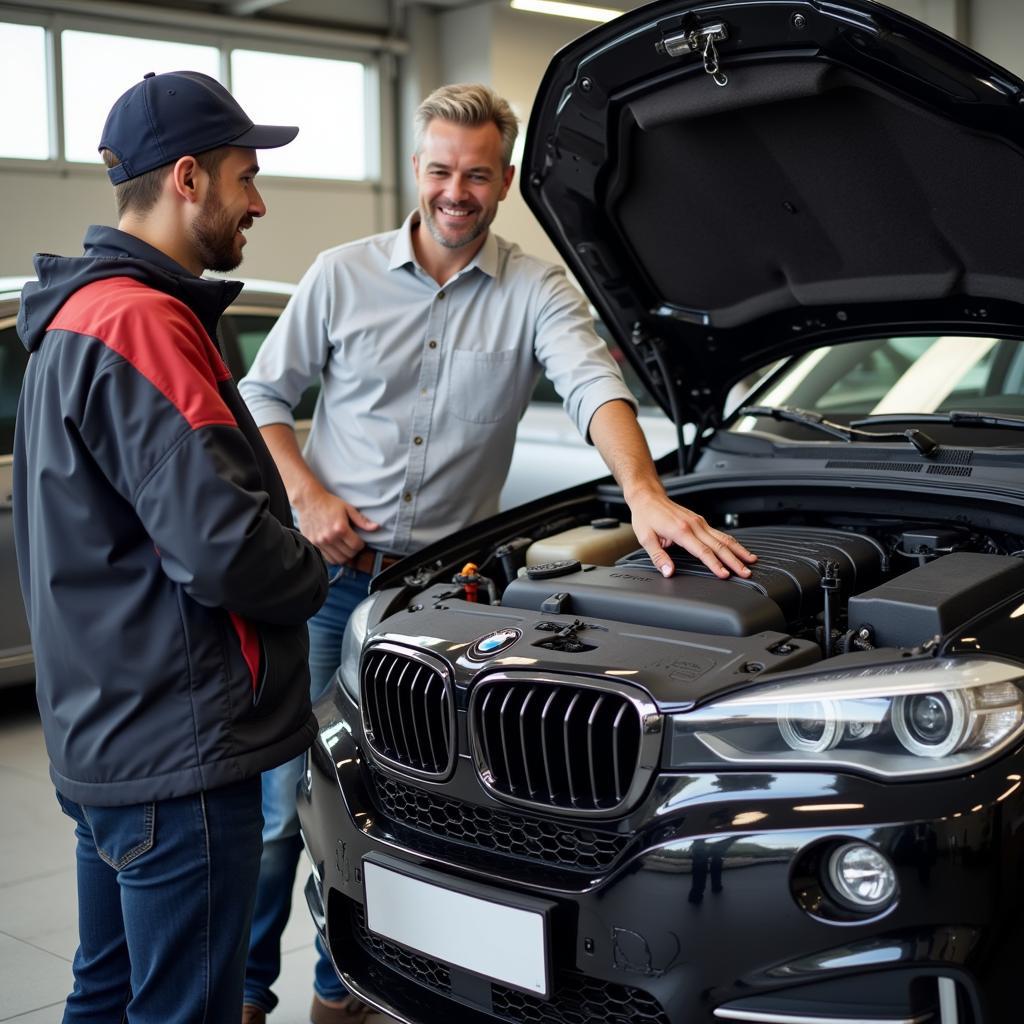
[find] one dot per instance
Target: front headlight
(894, 720)
(352, 645)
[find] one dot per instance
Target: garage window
(325, 98)
(23, 74)
(66, 71)
(99, 67)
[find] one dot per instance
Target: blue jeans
(165, 897)
(282, 845)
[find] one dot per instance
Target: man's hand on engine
(659, 522)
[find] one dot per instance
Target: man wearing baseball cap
(166, 587)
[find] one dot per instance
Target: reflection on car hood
(848, 172)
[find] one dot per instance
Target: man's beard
(213, 235)
(482, 224)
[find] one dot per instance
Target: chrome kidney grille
(407, 709)
(566, 745)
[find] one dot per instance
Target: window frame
(372, 56)
(9, 323)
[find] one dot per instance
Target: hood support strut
(645, 343)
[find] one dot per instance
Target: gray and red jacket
(166, 589)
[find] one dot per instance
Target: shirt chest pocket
(482, 386)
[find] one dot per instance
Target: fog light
(861, 876)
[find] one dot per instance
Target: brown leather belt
(371, 561)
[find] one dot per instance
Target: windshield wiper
(926, 445)
(953, 419)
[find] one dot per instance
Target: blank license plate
(481, 933)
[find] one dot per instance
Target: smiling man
(457, 217)
(166, 587)
(429, 341)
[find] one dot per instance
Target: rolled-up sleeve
(293, 354)
(574, 357)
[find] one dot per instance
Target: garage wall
(993, 27)
(997, 30)
(949, 16)
(44, 212)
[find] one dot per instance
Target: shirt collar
(403, 254)
(487, 258)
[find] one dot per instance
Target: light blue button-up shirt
(423, 385)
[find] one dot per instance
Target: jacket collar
(207, 297)
(113, 253)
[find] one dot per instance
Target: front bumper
(698, 909)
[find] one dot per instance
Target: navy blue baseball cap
(180, 113)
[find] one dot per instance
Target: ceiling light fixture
(584, 12)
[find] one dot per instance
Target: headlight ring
(932, 724)
(813, 726)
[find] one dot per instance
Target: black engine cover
(784, 587)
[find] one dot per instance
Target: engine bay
(844, 589)
(816, 592)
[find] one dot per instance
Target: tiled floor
(38, 932)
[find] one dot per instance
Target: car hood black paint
(856, 176)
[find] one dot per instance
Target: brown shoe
(351, 1010)
(253, 1015)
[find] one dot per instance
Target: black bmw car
(553, 787)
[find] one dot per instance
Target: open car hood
(851, 173)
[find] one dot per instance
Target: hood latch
(700, 40)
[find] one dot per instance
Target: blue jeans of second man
(165, 896)
(282, 845)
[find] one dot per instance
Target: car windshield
(896, 376)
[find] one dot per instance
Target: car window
(930, 374)
(248, 331)
(13, 360)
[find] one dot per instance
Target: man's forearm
(657, 520)
(617, 436)
(299, 480)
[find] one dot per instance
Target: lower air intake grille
(420, 968)
(407, 708)
(576, 999)
(513, 835)
(555, 744)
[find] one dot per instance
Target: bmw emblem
(493, 643)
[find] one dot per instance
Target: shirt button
(432, 344)
(407, 496)
(440, 295)
(417, 440)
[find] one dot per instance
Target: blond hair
(472, 106)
